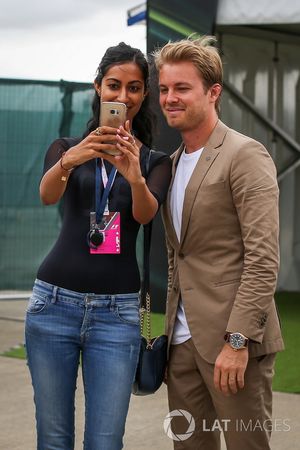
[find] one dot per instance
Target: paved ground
(144, 430)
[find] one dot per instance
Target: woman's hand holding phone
(91, 147)
(112, 116)
(128, 163)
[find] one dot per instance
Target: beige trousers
(245, 418)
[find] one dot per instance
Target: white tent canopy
(259, 12)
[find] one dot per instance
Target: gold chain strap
(146, 311)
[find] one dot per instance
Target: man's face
(185, 101)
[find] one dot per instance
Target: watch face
(237, 340)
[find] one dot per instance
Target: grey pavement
(144, 428)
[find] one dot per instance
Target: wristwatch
(236, 340)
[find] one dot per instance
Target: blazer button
(263, 320)
(181, 255)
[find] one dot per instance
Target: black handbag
(153, 351)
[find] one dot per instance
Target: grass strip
(287, 367)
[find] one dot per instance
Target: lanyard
(102, 201)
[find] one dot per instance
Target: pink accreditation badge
(110, 227)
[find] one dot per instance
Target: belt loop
(112, 302)
(54, 294)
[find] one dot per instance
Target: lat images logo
(190, 420)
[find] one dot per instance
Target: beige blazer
(226, 263)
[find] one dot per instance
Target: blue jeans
(102, 331)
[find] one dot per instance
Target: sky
(62, 39)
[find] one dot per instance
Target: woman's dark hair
(143, 122)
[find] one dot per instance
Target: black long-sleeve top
(70, 264)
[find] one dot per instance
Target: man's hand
(229, 370)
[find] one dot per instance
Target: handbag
(152, 361)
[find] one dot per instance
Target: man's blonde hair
(201, 52)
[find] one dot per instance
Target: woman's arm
(55, 179)
(144, 204)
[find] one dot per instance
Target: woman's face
(123, 83)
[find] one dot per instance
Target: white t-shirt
(184, 171)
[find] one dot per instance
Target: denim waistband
(87, 297)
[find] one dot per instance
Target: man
(221, 221)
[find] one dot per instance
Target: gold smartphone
(112, 114)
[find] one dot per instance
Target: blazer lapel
(172, 236)
(208, 156)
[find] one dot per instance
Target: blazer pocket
(214, 187)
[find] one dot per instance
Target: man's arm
(255, 196)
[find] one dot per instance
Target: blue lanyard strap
(102, 200)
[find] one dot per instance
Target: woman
(85, 302)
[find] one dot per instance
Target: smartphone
(112, 114)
